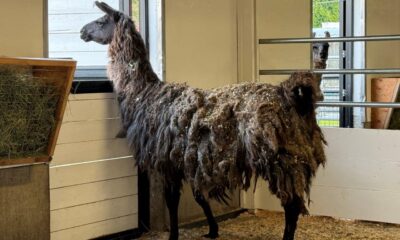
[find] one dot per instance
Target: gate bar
(331, 71)
(359, 104)
(333, 39)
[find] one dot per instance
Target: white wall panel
(91, 213)
(63, 176)
(96, 229)
(361, 179)
(93, 190)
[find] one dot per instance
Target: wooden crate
(383, 90)
(56, 73)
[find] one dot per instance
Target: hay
(27, 112)
(269, 226)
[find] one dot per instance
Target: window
(341, 19)
(65, 19)
(326, 17)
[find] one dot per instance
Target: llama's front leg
(292, 212)
(213, 232)
(172, 195)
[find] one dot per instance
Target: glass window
(326, 17)
(66, 18)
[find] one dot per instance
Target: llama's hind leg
(200, 199)
(172, 195)
(292, 212)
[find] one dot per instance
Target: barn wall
(382, 18)
(282, 19)
(360, 180)
(21, 28)
(277, 19)
(201, 49)
(24, 191)
(201, 42)
(93, 181)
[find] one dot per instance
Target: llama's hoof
(173, 238)
(211, 235)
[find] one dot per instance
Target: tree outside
(325, 11)
(135, 12)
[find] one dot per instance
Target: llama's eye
(100, 24)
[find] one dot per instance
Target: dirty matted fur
(217, 139)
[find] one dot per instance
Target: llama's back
(217, 139)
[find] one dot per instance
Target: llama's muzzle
(84, 36)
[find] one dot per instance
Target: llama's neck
(320, 64)
(129, 65)
(318, 76)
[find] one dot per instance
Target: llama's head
(320, 51)
(102, 30)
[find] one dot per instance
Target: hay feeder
(33, 96)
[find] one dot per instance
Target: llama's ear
(327, 34)
(105, 8)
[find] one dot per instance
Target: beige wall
(24, 191)
(283, 19)
(201, 42)
(382, 18)
(21, 27)
(201, 47)
(213, 43)
(201, 50)
(247, 45)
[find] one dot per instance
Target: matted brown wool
(33, 96)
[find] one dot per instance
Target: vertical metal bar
(342, 65)
(45, 29)
(143, 21)
(348, 81)
(346, 29)
(143, 179)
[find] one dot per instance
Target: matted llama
(320, 53)
(216, 140)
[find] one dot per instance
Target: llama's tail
(301, 90)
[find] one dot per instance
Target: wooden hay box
(33, 97)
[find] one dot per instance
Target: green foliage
(325, 11)
(135, 12)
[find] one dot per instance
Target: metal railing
(359, 104)
(333, 39)
(337, 71)
(331, 71)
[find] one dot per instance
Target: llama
(320, 51)
(216, 140)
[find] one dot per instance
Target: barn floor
(269, 226)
